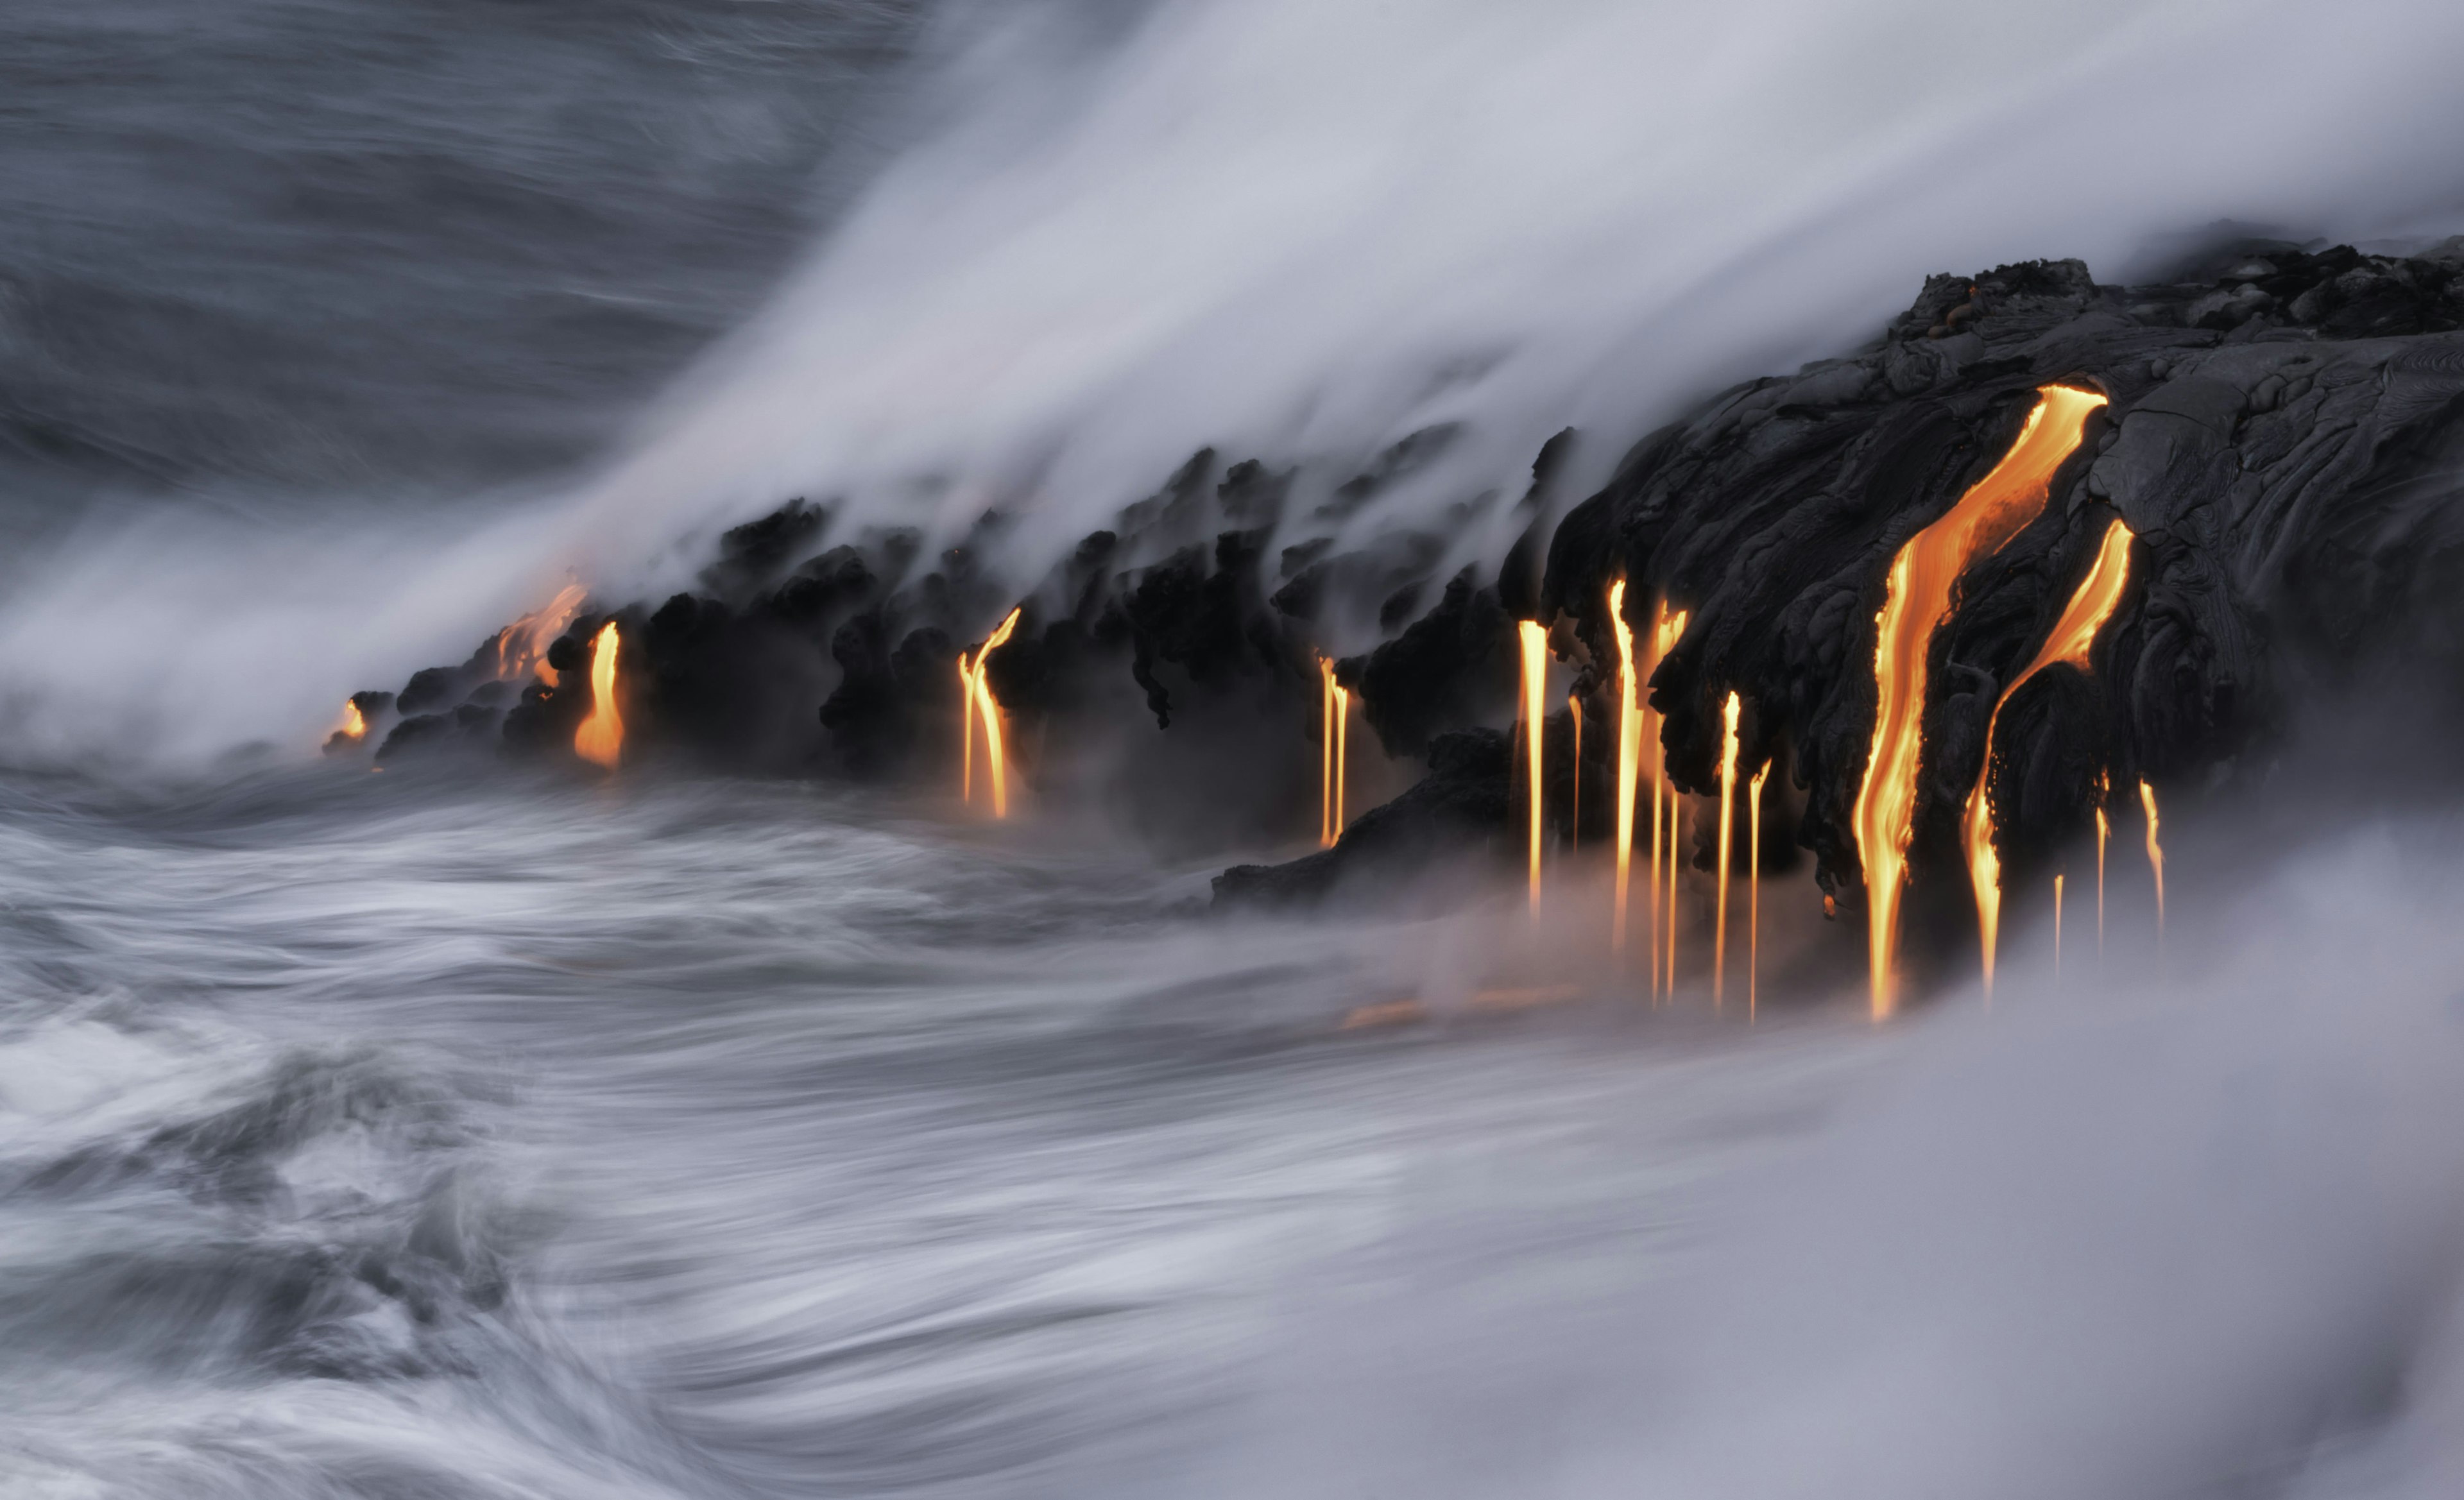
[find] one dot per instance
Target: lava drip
(1727, 809)
(1535, 673)
(2104, 835)
(601, 739)
(1574, 815)
(1629, 762)
(2155, 854)
(1919, 598)
(977, 702)
(2070, 645)
(1755, 889)
(1668, 627)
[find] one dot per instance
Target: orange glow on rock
(977, 703)
(521, 647)
(1535, 680)
(1919, 597)
(2074, 637)
(601, 739)
(353, 724)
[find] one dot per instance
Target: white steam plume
(1298, 230)
(2167, 1230)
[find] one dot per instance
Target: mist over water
(376, 1135)
(440, 1135)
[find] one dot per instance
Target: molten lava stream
(1668, 627)
(1754, 890)
(353, 725)
(1727, 809)
(521, 647)
(1575, 817)
(2155, 856)
(2057, 929)
(1917, 599)
(977, 702)
(1535, 673)
(601, 739)
(1342, 736)
(1628, 764)
(2071, 643)
(2103, 836)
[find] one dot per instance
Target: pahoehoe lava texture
(2280, 439)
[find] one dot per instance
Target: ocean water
(386, 1135)
(475, 1133)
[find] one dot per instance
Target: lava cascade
(977, 703)
(1919, 595)
(601, 739)
(2070, 644)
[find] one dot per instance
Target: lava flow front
(601, 739)
(1919, 598)
(2073, 639)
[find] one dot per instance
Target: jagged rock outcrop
(2277, 438)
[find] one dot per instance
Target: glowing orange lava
(2057, 929)
(976, 701)
(1728, 810)
(2155, 853)
(1755, 889)
(1325, 752)
(353, 724)
(1919, 597)
(601, 739)
(1629, 763)
(2074, 637)
(1668, 914)
(1668, 627)
(521, 647)
(1535, 679)
(2104, 833)
(1574, 819)
(1342, 737)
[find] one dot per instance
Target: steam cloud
(2170, 1229)
(1298, 231)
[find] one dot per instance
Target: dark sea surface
(365, 250)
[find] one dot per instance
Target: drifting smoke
(1300, 230)
(2123, 1238)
